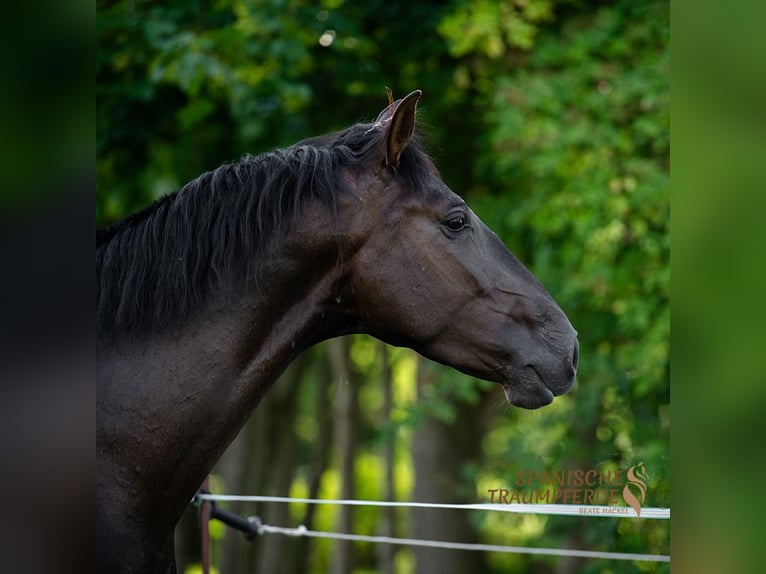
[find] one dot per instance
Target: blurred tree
(443, 445)
(386, 552)
(346, 420)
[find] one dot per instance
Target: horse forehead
(431, 187)
(355, 179)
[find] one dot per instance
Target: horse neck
(175, 400)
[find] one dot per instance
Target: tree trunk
(346, 421)
(440, 450)
(571, 564)
(281, 443)
(324, 418)
(233, 469)
(386, 552)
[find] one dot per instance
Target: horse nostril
(576, 355)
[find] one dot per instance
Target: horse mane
(155, 267)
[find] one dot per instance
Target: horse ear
(401, 127)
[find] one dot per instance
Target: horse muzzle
(535, 385)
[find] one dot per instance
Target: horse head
(423, 271)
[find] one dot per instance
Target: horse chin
(529, 389)
(527, 397)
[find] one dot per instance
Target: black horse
(206, 296)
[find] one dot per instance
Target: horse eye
(456, 223)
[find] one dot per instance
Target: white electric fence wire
(550, 509)
(303, 531)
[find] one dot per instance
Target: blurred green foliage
(550, 118)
